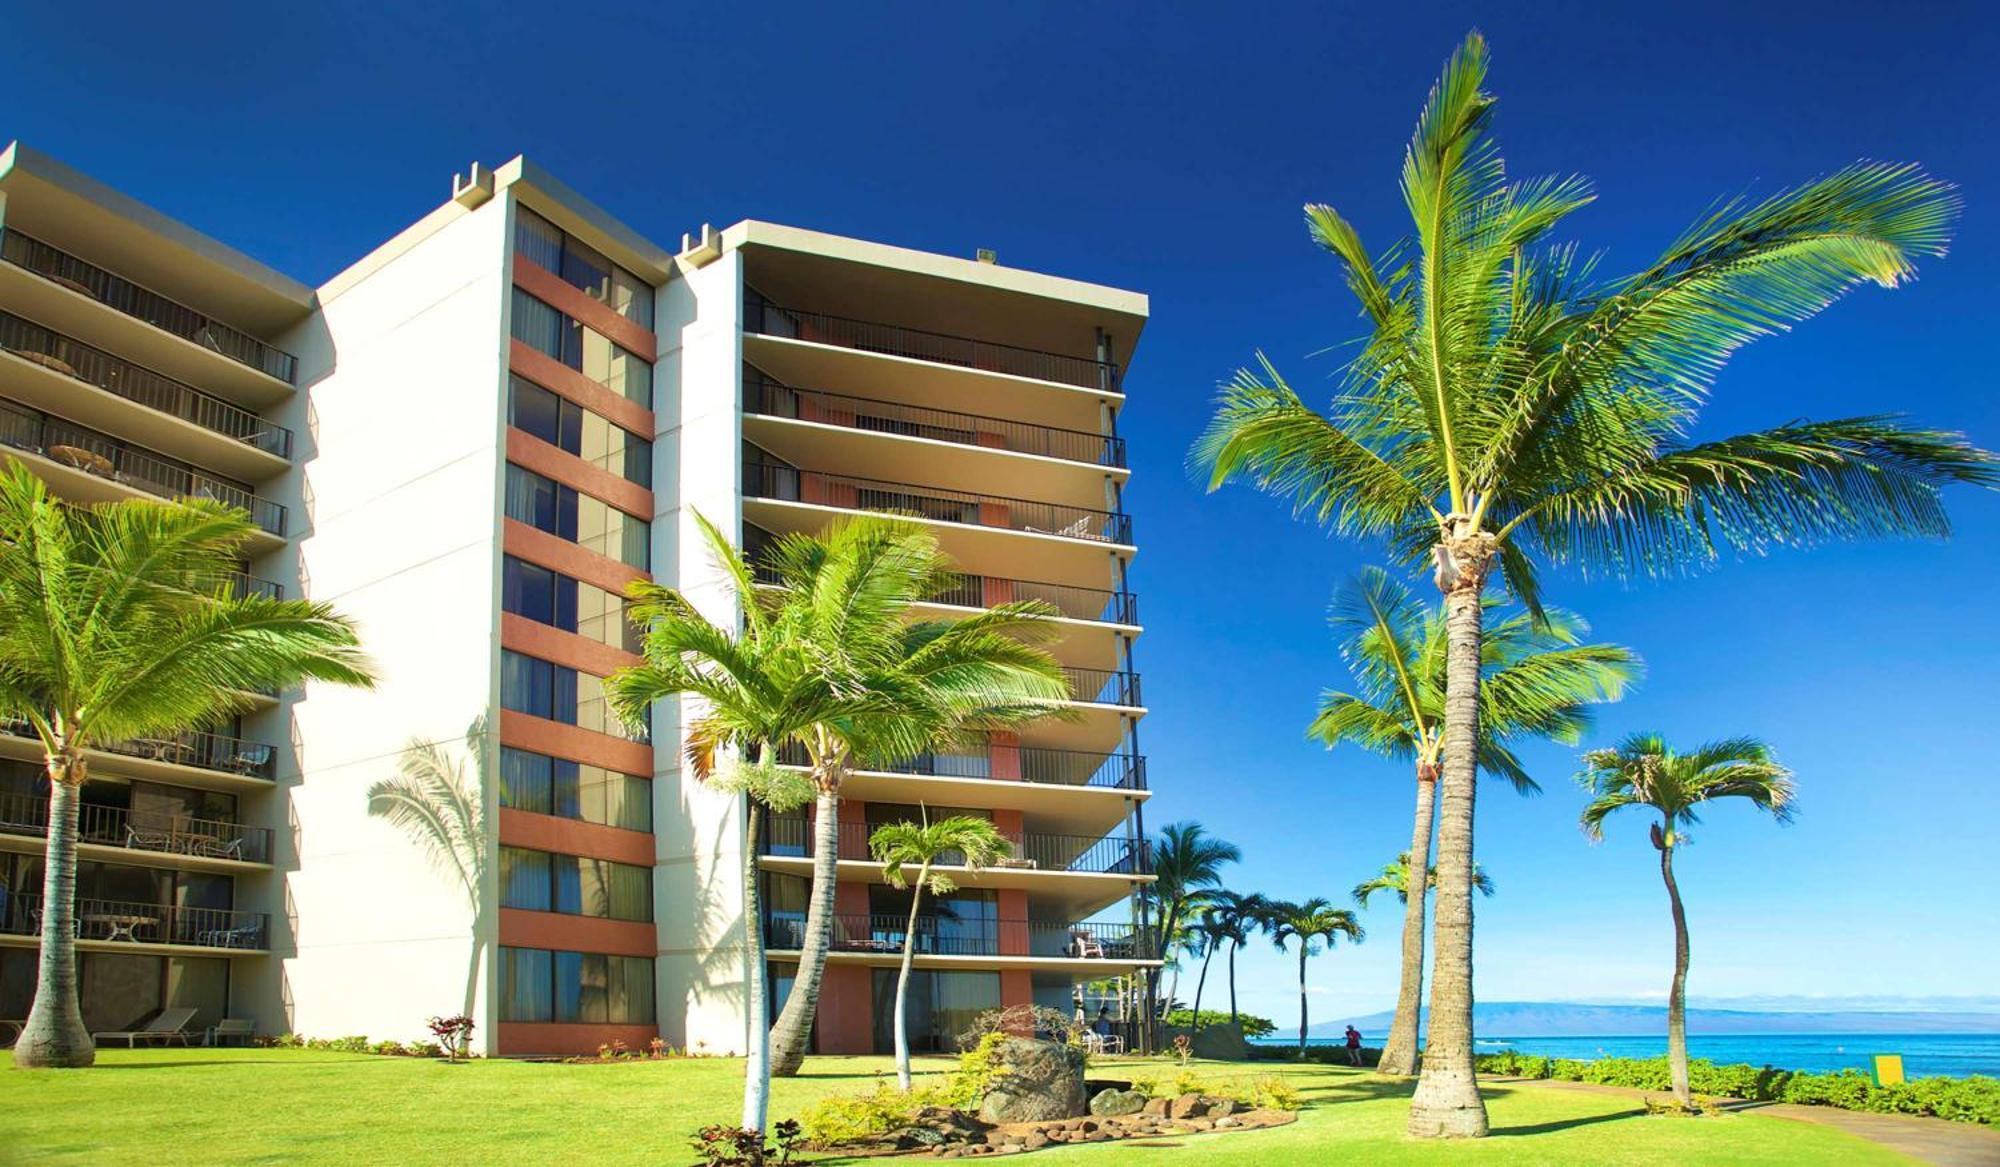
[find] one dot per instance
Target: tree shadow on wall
(431, 802)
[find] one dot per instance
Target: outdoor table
(119, 925)
(81, 459)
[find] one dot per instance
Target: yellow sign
(1888, 1069)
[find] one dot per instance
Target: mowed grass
(171, 1107)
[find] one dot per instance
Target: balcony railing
(1103, 686)
(1095, 604)
(1012, 763)
(242, 583)
(94, 366)
(942, 348)
(884, 934)
(123, 295)
(115, 826)
(106, 457)
(791, 836)
(199, 749)
(136, 922)
(771, 399)
(789, 484)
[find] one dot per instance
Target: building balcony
(119, 925)
(1010, 763)
(791, 837)
(79, 451)
(253, 444)
(143, 304)
(769, 399)
(767, 319)
(115, 826)
(242, 583)
(195, 750)
(1092, 605)
(1104, 687)
(938, 504)
(884, 935)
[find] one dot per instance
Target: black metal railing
(198, 748)
(1097, 604)
(138, 922)
(242, 583)
(93, 366)
(167, 834)
(1103, 686)
(792, 836)
(766, 397)
(789, 484)
(1010, 763)
(143, 303)
(117, 461)
(942, 348)
(940, 936)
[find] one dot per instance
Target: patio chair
(170, 1025)
(249, 760)
(150, 836)
(241, 936)
(239, 1029)
(217, 847)
(1087, 944)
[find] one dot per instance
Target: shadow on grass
(1543, 1128)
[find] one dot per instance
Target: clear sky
(1172, 156)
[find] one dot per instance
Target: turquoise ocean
(1924, 1054)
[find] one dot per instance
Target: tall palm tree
(1308, 923)
(117, 621)
(858, 680)
(1644, 771)
(1187, 864)
(430, 800)
(961, 840)
(1510, 409)
(1538, 680)
(1237, 918)
(1204, 937)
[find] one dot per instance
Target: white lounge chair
(240, 1029)
(170, 1025)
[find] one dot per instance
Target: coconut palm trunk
(903, 980)
(793, 1031)
(1194, 1016)
(1302, 998)
(1677, 1037)
(1399, 1051)
(54, 1034)
(1446, 1103)
(756, 981)
(1233, 946)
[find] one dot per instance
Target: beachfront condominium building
(471, 441)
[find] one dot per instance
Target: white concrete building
(470, 441)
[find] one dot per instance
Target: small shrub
(454, 1033)
(388, 1049)
(847, 1118)
(1183, 1048)
(731, 1146)
(1273, 1092)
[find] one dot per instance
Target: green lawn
(282, 1106)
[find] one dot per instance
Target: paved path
(1932, 1140)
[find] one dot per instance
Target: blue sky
(1172, 156)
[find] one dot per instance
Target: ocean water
(1924, 1054)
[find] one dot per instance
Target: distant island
(1560, 1019)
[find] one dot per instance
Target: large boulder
(1042, 1080)
(1109, 1103)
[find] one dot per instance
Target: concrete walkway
(1932, 1140)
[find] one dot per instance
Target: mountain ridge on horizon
(1568, 1019)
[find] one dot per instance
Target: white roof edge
(522, 169)
(992, 275)
(29, 160)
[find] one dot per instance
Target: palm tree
(1509, 409)
(117, 621)
(1643, 771)
(1204, 937)
(1187, 864)
(1395, 877)
(962, 841)
(854, 681)
(1309, 922)
(1537, 681)
(1237, 917)
(430, 800)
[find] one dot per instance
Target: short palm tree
(431, 800)
(842, 673)
(117, 621)
(1538, 680)
(1309, 922)
(1395, 877)
(1187, 864)
(962, 841)
(1643, 771)
(1204, 936)
(1236, 918)
(1510, 409)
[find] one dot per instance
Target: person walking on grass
(1353, 1046)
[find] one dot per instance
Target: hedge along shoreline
(1975, 1099)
